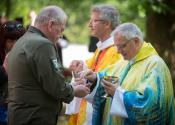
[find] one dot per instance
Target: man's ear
(108, 24)
(50, 25)
(136, 40)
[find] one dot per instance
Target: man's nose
(90, 24)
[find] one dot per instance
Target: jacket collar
(36, 30)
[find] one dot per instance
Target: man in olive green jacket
(36, 84)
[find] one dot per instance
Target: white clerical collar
(132, 61)
(105, 44)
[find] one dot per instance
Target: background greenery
(156, 18)
(78, 12)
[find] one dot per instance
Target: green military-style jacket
(36, 84)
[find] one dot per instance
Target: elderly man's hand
(79, 81)
(76, 66)
(109, 87)
(81, 90)
(90, 75)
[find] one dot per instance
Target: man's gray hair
(129, 31)
(48, 13)
(108, 13)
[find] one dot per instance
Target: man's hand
(76, 66)
(79, 81)
(90, 76)
(81, 90)
(109, 87)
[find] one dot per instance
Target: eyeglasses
(122, 46)
(12, 27)
(97, 20)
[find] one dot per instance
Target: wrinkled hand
(79, 81)
(90, 75)
(109, 87)
(81, 90)
(76, 66)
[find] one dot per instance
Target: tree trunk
(160, 31)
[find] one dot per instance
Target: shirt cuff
(117, 107)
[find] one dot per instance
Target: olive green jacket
(36, 83)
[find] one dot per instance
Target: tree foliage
(78, 12)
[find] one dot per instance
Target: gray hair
(129, 31)
(107, 12)
(48, 13)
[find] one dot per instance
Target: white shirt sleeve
(117, 107)
(90, 96)
(74, 106)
